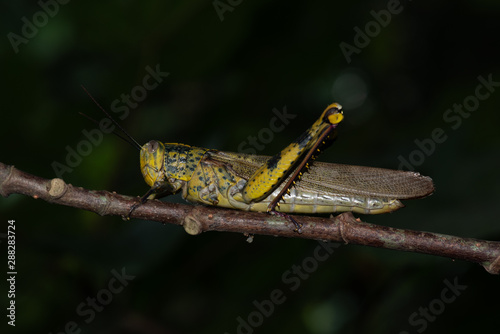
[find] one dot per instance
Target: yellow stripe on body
(271, 174)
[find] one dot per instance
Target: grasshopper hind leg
(275, 170)
(295, 158)
(298, 226)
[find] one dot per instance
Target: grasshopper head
(152, 162)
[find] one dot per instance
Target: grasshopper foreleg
(141, 202)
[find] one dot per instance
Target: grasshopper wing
(340, 179)
(365, 181)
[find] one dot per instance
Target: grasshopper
(279, 183)
(288, 182)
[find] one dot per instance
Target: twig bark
(196, 219)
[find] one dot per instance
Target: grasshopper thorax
(152, 162)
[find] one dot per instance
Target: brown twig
(195, 219)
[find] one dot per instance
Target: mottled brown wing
(243, 164)
(342, 179)
(366, 181)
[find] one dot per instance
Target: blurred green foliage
(225, 79)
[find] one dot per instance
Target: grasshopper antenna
(128, 138)
(125, 139)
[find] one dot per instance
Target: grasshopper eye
(153, 146)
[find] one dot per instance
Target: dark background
(226, 77)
